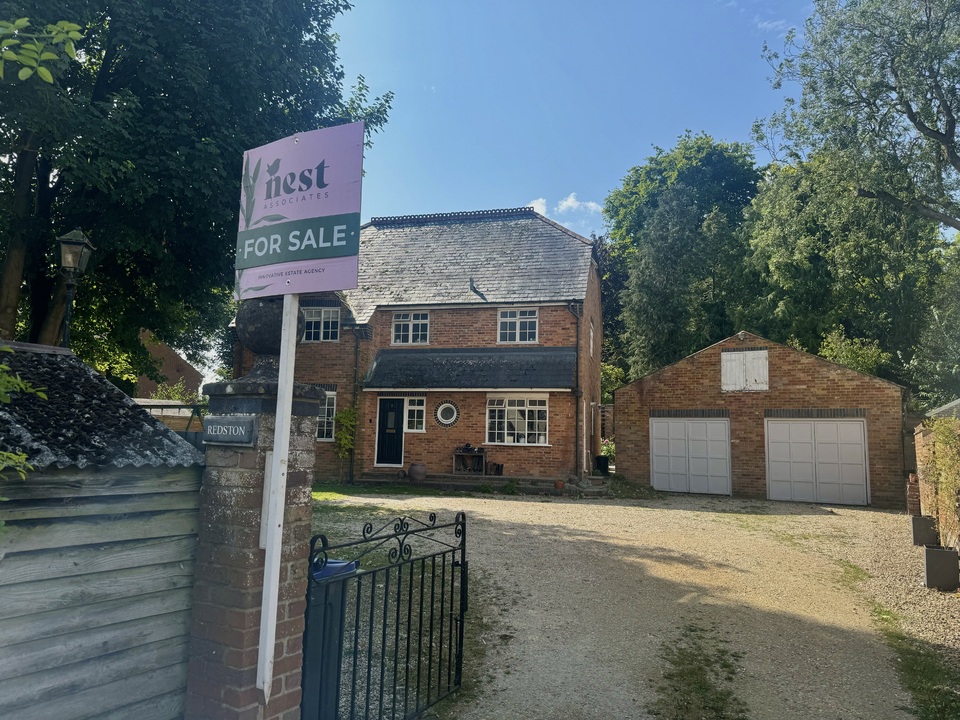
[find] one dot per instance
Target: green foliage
(698, 681)
(179, 392)
(611, 378)
(824, 257)
(879, 83)
(940, 468)
(856, 353)
(935, 367)
(140, 144)
(37, 51)
(10, 385)
(345, 431)
(674, 223)
(608, 448)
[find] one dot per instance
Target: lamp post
(75, 251)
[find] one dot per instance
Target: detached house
(476, 330)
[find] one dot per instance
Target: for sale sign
(300, 214)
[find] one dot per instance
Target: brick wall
(796, 380)
(435, 446)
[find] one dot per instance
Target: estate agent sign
(300, 214)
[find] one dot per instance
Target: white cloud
(539, 205)
(777, 26)
(571, 204)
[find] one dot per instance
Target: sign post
(299, 233)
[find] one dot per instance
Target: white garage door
(817, 461)
(690, 455)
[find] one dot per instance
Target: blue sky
(503, 104)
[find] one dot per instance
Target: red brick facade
(797, 380)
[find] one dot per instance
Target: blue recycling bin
(323, 638)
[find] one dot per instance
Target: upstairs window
(411, 328)
(518, 326)
(323, 324)
(744, 371)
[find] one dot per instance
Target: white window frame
(325, 423)
(746, 371)
(591, 338)
(504, 411)
(415, 409)
(323, 324)
(510, 322)
(417, 324)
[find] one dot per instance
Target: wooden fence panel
(96, 578)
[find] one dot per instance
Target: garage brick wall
(797, 380)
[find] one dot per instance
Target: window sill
(520, 445)
(325, 440)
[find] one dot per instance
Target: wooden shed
(97, 549)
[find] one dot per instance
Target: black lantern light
(75, 251)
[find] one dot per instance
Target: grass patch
(698, 683)
(851, 575)
(933, 683)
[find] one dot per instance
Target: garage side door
(689, 455)
(817, 461)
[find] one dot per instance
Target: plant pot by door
(924, 530)
(941, 568)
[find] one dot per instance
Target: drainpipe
(356, 390)
(576, 309)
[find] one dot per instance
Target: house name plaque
(229, 430)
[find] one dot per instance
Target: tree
(935, 367)
(825, 257)
(140, 144)
(675, 221)
(880, 86)
(859, 354)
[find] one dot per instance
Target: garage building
(752, 418)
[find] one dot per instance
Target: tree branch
(913, 205)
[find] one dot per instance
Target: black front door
(390, 432)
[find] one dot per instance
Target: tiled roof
(491, 256)
(474, 369)
(85, 420)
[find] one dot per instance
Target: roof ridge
(461, 215)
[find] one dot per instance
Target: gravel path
(576, 598)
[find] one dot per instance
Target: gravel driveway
(573, 601)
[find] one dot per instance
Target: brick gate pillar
(225, 631)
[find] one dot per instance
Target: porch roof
(539, 368)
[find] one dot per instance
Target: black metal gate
(384, 625)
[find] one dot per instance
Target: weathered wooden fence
(96, 583)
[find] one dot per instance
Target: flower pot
(418, 472)
(559, 484)
(941, 568)
(924, 530)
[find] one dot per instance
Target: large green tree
(825, 257)
(675, 223)
(139, 143)
(880, 86)
(935, 366)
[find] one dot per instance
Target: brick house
(477, 328)
(753, 418)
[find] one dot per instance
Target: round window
(447, 414)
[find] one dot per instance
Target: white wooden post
(275, 485)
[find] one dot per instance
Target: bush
(608, 449)
(939, 470)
